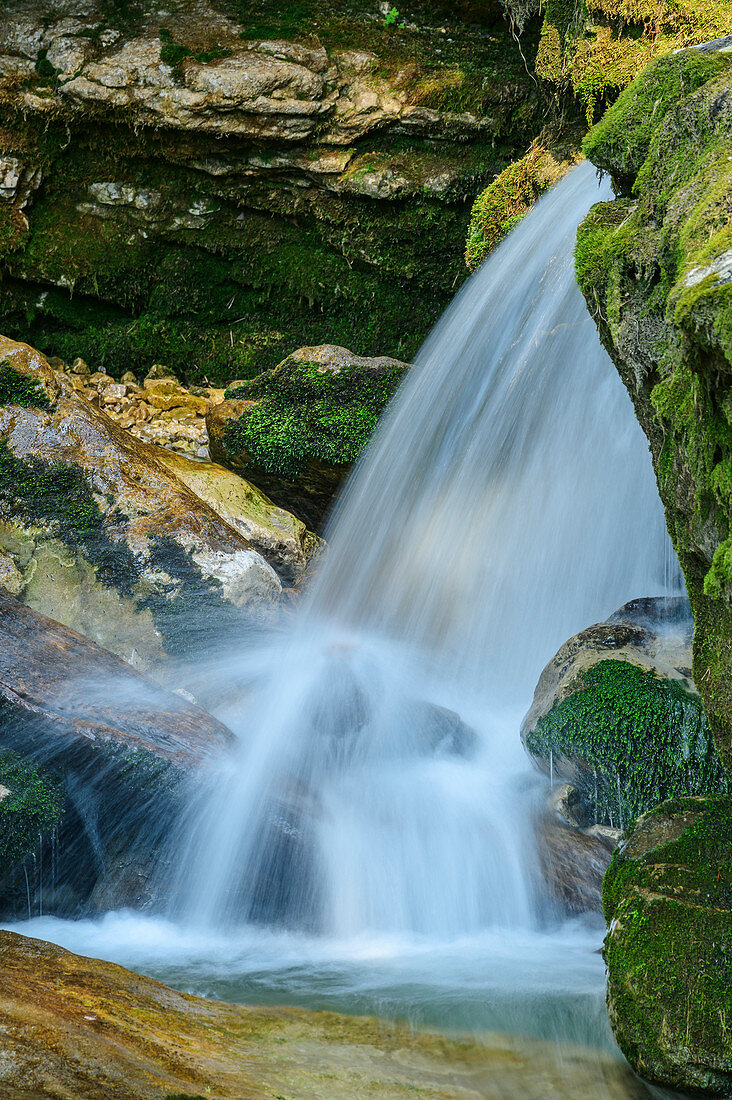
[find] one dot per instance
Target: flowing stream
(369, 846)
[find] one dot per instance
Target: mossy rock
(667, 898)
(628, 740)
(515, 190)
(295, 431)
(655, 269)
(590, 50)
(31, 805)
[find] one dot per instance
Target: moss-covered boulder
(668, 902)
(617, 714)
(214, 187)
(654, 266)
(295, 431)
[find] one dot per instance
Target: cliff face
(655, 266)
(242, 178)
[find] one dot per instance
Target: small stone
(4, 792)
(158, 371)
(112, 393)
(129, 378)
(56, 363)
(79, 367)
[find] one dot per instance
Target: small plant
(391, 18)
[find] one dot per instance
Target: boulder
(89, 1030)
(94, 753)
(617, 715)
(283, 540)
(572, 863)
(295, 431)
(668, 903)
(106, 538)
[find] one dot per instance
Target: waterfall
(506, 502)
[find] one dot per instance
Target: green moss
(668, 898)
(632, 739)
(33, 807)
(305, 413)
(19, 389)
(507, 199)
(172, 53)
(60, 494)
(621, 141)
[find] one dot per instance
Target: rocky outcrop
(617, 715)
(90, 1030)
(653, 267)
(573, 861)
(239, 185)
(296, 430)
(114, 752)
(110, 536)
(668, 903)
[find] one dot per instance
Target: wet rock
(572, 862)
(276, 534)
(330, 399)
(97, 1031)
(616, 714)
(107, 538)
(668, 903)
(116, 747)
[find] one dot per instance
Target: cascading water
(369, 845)
(506, 502)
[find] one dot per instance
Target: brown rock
(82, 1029)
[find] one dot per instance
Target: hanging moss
(633, 739)
(33, 807)
(60, 494)
(305, 413)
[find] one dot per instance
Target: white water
(362, 850)
(506, 502)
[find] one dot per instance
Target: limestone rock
(331, 400)
(616, 714)
(107, 538)
(667, 903)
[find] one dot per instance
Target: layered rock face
(111, 537)
(668, 903)
(297, 430)
(243, 179)
(654, 267)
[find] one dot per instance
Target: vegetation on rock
(667, 898)
(303, 412)
(31, 805)
(655, 268)
(631, 739)
(512, 194)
